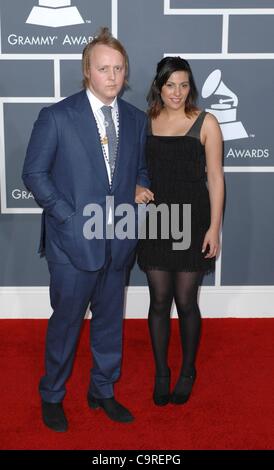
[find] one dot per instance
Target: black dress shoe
(54, 416)
(183, 389)
(114, 410)
(161, 394)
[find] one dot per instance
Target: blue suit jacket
(65, 170)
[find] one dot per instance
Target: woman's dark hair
(165, 68)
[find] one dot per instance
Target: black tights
(164, 286)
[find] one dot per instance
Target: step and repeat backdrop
(230, 46)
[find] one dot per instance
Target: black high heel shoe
(183, 389)
(161, 394)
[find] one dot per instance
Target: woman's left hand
(211, 242)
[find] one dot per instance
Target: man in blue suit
(85, 150)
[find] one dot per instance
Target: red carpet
(232, 406)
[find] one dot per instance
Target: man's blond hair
(105, 38)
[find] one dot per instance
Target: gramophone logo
(226, 109)
(55, 13)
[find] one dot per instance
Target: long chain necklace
(104, 141)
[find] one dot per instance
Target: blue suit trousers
(71, 292)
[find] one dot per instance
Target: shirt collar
(97, 104)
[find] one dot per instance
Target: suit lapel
(86, 128)
(126, 141)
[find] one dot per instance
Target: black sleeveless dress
(176, 167)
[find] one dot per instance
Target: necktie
(111, 136)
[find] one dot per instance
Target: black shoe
(54, 416)
(112, 408)
(161, 394)
(183, 389)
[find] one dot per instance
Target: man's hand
(143, 195)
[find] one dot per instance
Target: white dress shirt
(96, 106)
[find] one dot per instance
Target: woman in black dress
(183, 146)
